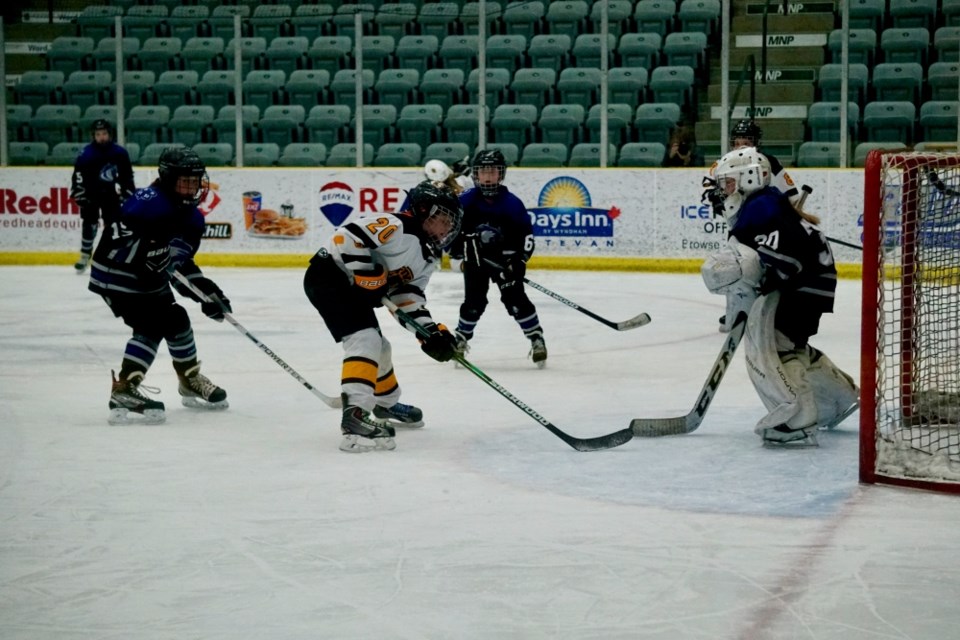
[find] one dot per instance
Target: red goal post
(910, 323)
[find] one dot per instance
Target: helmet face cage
(746, 129)
(750, 171)
(183, 163)
(489, 158)
(438, 210)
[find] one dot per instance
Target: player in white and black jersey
(748, 133)
(371, 257)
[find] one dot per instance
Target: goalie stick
(333, 403)
(608, 441)
(632, 323)
(656, 427)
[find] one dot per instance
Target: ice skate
(400, 415)
(82, 262)
(363, 433)
(783, 437)
(197, 392)
(126, 399)
(538, 351)
(461, 349)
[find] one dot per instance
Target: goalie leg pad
(836, 394)
(781, 383)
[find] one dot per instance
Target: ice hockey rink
(251, 524)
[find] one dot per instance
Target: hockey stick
(580, 444)
(939, 185)
(656, 427)
(632, 323)
(333, 403)
(807, 190)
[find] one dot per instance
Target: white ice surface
(250, 523)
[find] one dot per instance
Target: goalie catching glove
(440, 344)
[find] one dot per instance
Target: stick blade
(633, 323)
(657, 427)
(599, 443)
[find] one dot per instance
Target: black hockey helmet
(183, 162)
(437, 208)
(486, 158)
(746, 129)
(101, 124)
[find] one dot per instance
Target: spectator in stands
(683, 151)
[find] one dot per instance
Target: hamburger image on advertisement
(268, 223)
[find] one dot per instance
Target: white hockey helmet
(437, 171)
(750, 171)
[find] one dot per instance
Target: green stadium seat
(534, 86)
(189, 124)
(308, 87)
(215, 154)
(303, 154)
(135, 86)
(562, 123)
(568, 17)
(147, 124)
(818, 154)
(459, 52)
(85, 88)
(417, 52)
(378, 123)
(288, 54)
(344, 87)
(262, 87)
(867, 14)
(550, 51)
(395, 19)
(699, 16)
(684, 48)
(587, 154)
(862, 48)
(28, 153)
(260, 154)
(378, 52)
(268, 19)
(312, 21)
(895, 81)
(462, 123)
(442, 86)
(438, 19)
(105, 54)
(328, 124)
(225, 124)
(344, 20)
(145, 21)
(905, 45)
(514, 123)
(587, 49)
(618, 16)
(946, 42)
(176, 88)
(217, 88)
(506, 52)
(253, 54)
(510, 151)
(159, 54)
(642, 154)
(133, 152)
(950, 10)
(823, 120)
(68, 54)
(578, 85)
(200, 54)
(449, 152)
(908, 14)
(420, 124)
(281, 124)
(344, 154)
(398, 154)
(18, 122)
(938, 120)
(619, 121)
(654, 121)
(525, 18)
(470, 17)
(497, 81)
(36, 88)
(654, 16)
(189, 21)
(398, 87)
(889, 121)
(627, 84)
(150, 157)
(864, 148)
(222, 18)
(673, 84)
(544, 154)
(830, 79)
(97, 21)
(943, 79)
(640, 49)
(64, 154)
(55, 123)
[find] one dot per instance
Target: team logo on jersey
(336, 202)
(565, 209)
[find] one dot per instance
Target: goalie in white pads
(370, 257)
(779, 266)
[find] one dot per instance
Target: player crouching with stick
(779, 265)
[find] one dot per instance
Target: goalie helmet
(485, 159)
(435, 206)
(746, 130)
(748, 169)
(437, 170)
(183, 176)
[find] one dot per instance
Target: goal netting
(910, 366)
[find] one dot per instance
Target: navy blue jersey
(139, 251)
(505, 212)
(794, 251)
(101, 175)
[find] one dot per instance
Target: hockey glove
(371, 284)
(216, 304)
(514, 268)
(440, 344)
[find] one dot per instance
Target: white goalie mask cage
(749, 169)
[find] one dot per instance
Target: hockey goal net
(910, 357)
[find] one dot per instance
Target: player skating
(782, 267)
(494, 246)
(371, 257)
(157, 232)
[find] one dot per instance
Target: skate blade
(401, 425)
(196, 403)
(358, 444)
(540, 365)
(122, 416)
(810, 442)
